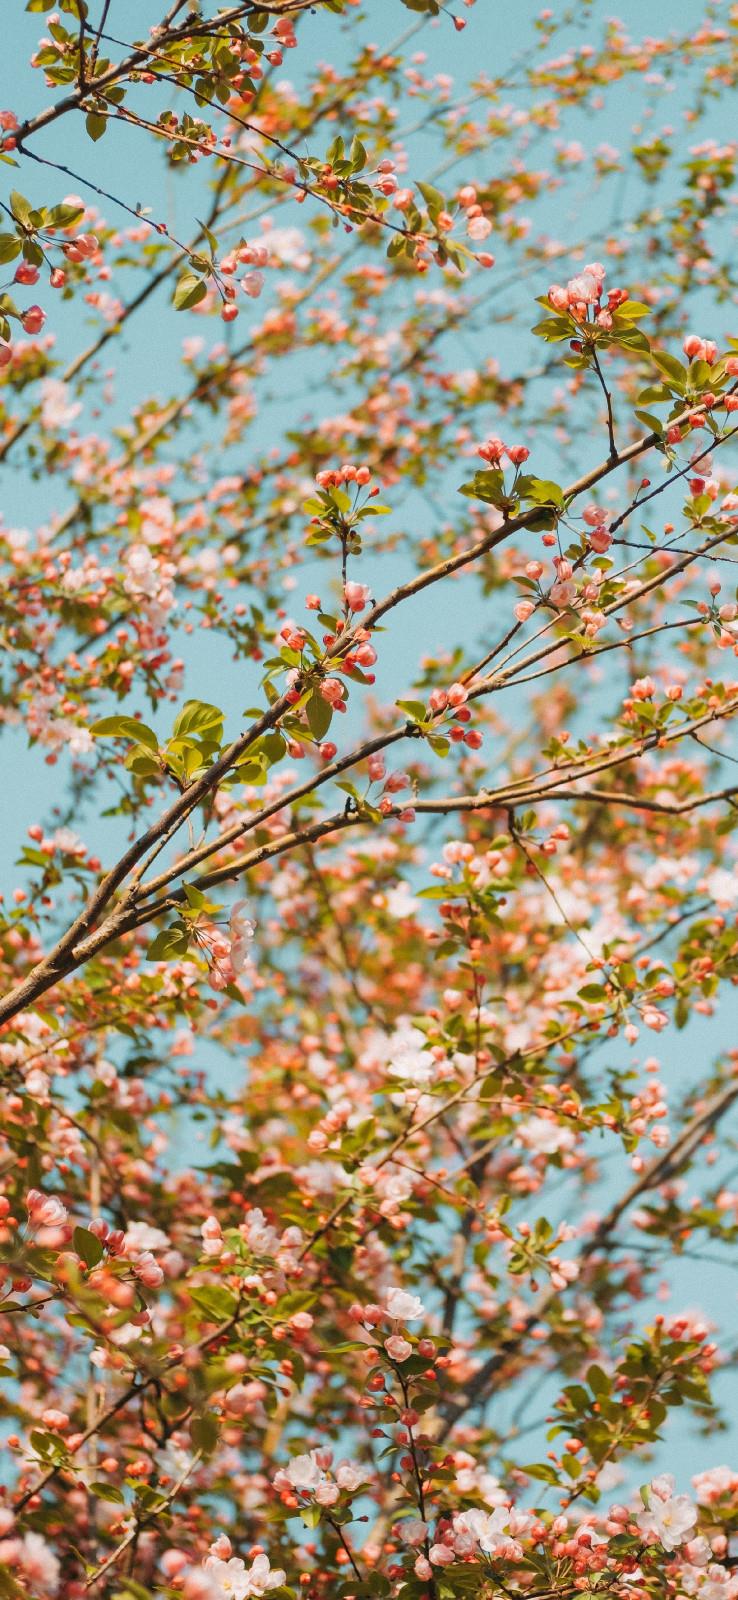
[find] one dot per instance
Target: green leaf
(218, 1304)
(132, 1590)
(169, 943)
(539, 1469)
(632, 310)
(204, 1432)
(108, 1491)
(64, 216)
(319, 715)
(673, 369)
(358, 154)
(144, 766)
(592, 991)
(197, 717)
(542, 491)
(433, 198)
(190, 290)
(649, 421)
(125, 728)
(20, 207)
(489, 486)
(273, 746)
(553, 329)
(335, 151)
(415, 709)
(9, 246)
(95, 125)
(88, 1246)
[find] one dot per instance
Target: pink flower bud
(33, 319)
(356, 595)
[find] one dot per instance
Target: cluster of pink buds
(599, 537)
(147, 1270)
(292, 636)
(697, 349)
(332, 478)
(493, 451)
(212, 1237)
(334, 692)
(452, 701)
(585, 290)
(361, 654)
(284, 31)
(113, 1239)
(393, 784)
(252, 283)
(563, 591)
(81, 248)
(478, 226)
(386, 180)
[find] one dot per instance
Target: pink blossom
(356, 595)
(398, 1348)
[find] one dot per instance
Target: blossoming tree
(344, 1205)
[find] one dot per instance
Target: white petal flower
(403, 1307)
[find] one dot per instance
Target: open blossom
(349, 1476)
(241, 933)
(487, 1530)
(212, 1238)
(303, 1472)
(563, 593)
(668, 1518)
(262, 1577)
(45, 1210)
(141, 1236)
(403, 1307)
(545, 1137)
(39, 1564)
(147, 1270)
(234, 1579)
(714, 1484)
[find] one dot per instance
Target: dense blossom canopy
(367, 392)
